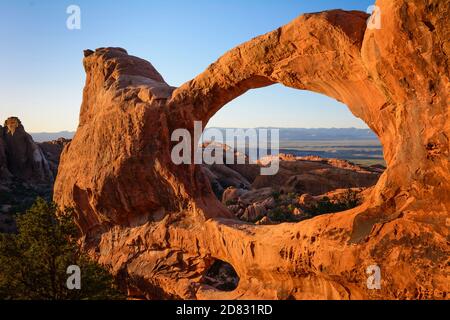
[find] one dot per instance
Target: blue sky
(41, 74)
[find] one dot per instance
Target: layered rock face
(160, 226)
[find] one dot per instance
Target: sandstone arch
(159, 226)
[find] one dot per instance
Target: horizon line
(260, 127)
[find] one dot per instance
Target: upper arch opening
(328, 162)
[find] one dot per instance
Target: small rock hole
(222, 276)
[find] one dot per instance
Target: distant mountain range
(321, 134)
(50, 136)
(286, 134)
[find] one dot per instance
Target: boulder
(232, 194)
(254, 212)
(307, 201)
(264, 221)
(258, 195)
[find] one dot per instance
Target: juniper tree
(34, 261)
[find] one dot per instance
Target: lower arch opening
(222, 276)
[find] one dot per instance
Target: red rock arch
(159, 225)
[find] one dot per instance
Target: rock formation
(27, 170)
(316, 175)
(310, 174)
(20, 156)
(4, 172)
(52, 151)
(275, 196)
(160, 227)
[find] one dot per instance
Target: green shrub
(276, 195)
(291, 195)
(33, 262)
(349, 200)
